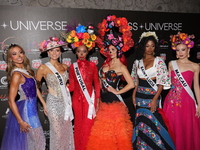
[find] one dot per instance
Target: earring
(176, 56)
(188, 55)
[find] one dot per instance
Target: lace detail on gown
(61, 132)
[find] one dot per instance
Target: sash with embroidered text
(65, 92)
(182, 81)
(90, 100)
(148, 79)
(105, 84)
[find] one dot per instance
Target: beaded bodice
(53, 83)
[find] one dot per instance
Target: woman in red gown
(83, 120)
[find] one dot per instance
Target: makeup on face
(17, 55)
(81, 52)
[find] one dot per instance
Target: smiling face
(54, 53)
(81, 52)
(16, 55)
(182, 51)
(112, 51)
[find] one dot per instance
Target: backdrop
(28, 26)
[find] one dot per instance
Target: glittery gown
(13, 139)
(82, 125)
(61, 131)
(112, 129)
(180, 109)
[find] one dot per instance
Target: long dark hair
(140, 48)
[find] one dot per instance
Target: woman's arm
(16, 80)
(154, 100)
(42, 101)
(134, 95)
(196, 88)
(96, 82)
(40, 73)
(127, 78)
(71, 78)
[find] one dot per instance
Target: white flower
(146, 34)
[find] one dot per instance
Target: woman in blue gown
(23, 130)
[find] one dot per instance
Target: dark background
(28, 26)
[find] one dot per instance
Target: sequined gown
(112, 129)
(180, 110)
(61, 131)
(13, 139)
(82, 125)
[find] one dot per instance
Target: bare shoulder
(170, 64)
(42, 67)
(42, 70)
(195, 66)
(122, 66)
(16, 74)
(65, 66)
(16, 77)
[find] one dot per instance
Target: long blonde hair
(11, 65)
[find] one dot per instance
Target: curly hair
(140, 48)
(11, 65)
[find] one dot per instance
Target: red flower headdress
(114, 31)
(182, 38)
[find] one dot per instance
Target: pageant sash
(90, 100)
(65, 93)
(105, 84)
(148, 79)
(182, 81)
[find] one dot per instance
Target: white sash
(182, 81)
(148, 79)
(65, 93)
(90, 100)
(105, 84)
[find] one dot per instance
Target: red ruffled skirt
(112, 129)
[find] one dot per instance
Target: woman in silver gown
(58, 99)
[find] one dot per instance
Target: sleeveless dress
(151, 131)
(180, 109)
(82, 124)
(61, 131)
(112, 129)
(13, 139)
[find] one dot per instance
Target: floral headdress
(182, 38)
(114, 31)
(52, 42)
(81, 36)
(147, 34)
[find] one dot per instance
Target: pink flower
(109, 18)
(110, 36)
(42, 44)
(80, 35)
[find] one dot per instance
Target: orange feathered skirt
(112, 129)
